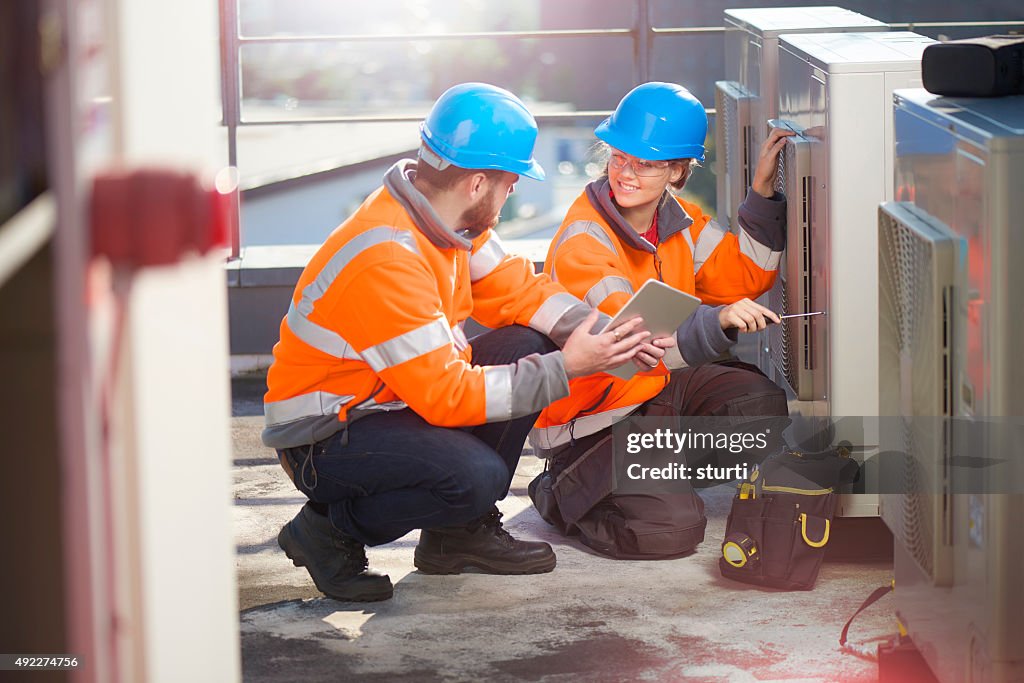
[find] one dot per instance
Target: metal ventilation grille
(792, 348)
(918, 507)
(778, 335)
(916, 275)
(733, 137)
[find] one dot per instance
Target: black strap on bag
(875, 596)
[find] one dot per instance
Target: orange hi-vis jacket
(376, 323)
(598, 256)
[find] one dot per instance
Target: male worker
(382, 413)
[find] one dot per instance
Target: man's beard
(479, 218)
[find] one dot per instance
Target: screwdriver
(798, 315)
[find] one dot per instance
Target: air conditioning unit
(747, 98)
(835, 90)
(950, 331)
(917, 291)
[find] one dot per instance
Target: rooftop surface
(591, 619)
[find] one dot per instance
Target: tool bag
(976, 67)
(781, 519)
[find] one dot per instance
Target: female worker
(625, 228)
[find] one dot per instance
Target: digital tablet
(663, 309)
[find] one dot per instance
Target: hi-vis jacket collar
(398, 181)
(671, 217)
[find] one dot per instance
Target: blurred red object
(153, 216)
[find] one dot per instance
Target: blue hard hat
(476, 125)
(657, 121)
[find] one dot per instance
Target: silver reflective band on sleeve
(369, 405)
(315, 404)
(459, 337)
(761, 254)
(710, 237)
(551, 311)
(545, 438)
(409, 345)
(320, 338)
(581, 228)
(498, 392)
(605, 287)
(486, 259)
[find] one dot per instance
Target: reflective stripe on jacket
(376, 319)
(597, 256)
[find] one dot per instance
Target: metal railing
(642, 34)
(232, 42)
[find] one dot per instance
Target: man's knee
(509, 344)
(477, 485)
(527, 341)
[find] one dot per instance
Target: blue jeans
(390, 473)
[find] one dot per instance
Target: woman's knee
(714, 389)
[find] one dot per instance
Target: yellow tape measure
(739, 550)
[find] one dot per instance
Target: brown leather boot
(336, 562)
(483, 543)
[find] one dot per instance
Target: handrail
(413, 37)
(414, 118)
(642, 33)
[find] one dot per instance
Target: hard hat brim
(529, 168)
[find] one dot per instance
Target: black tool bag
(781, 519)
(976, 67)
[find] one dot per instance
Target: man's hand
(587, 353)
(746, 316)
(764, 174)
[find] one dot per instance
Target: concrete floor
(591, 619)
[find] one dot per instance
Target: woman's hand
(764, 174)
(746, 316)
(651, 353)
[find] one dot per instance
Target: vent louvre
(791, 345)
(733, 138)
(916, 295)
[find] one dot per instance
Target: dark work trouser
(393, 472)
(715, 390)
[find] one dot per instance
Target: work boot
(483, 543)
(336, 562)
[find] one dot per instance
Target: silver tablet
(663, 309)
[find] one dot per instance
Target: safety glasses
(640, 167)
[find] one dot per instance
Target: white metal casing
(836, 89)
(958, 165)
(747, 98)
